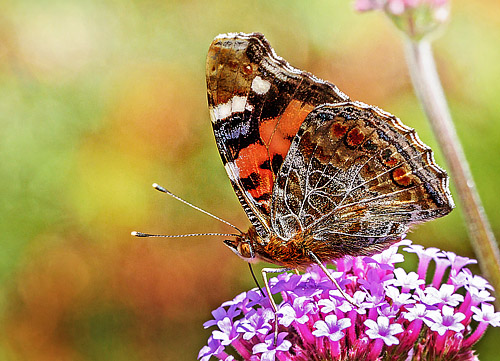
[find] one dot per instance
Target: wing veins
(289, 208)
(352, 161)
(350, 190)
(382, 196)
(391, 169)
(328, 230)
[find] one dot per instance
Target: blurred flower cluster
(436, 313)
(416, 18)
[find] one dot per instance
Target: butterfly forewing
(257, 103)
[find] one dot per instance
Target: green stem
(430, 92)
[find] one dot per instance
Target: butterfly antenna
(164, 190)
(140, 234)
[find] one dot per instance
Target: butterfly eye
(244, 250)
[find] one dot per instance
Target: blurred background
(99, 99)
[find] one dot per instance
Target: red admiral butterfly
(319, 176)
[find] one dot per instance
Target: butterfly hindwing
(257, 104)
(356, 178)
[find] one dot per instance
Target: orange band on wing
(276, 132)
(249, 163)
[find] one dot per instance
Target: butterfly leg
(316, 260)
(265, 271)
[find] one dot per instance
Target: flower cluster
(398, 315)
(416, 18)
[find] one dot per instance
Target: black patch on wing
(277, 97)
(251, 182)
(277, 161)
(265, 165)
(264, 197)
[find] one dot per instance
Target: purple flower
(458, 279)
(384, 330)
(391, 256)
(426, 296)
(394, 309)
(374, 281)
(256, 323)
(214, 348)
(444, 320)
(479, 295)
(399, 298)
(407, 281)
(446, 294)
(269, 348)
(459, 262)
(221, 313)
(478, 282)
(227, 332)
(333, 303)
(298, 313)
(331, 327)
(486, 314)
(417, 312)
(287, 283)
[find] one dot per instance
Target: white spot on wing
(260, 86)
(222, 111)
(237, 104)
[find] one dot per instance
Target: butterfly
(319, 176)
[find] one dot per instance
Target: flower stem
(430, 92)
(478, 333)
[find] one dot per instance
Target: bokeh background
(99, 99)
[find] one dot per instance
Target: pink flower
(416, 18)
(397, 7)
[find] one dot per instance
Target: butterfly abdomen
(295, 253)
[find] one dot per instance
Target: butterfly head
(244, 245)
